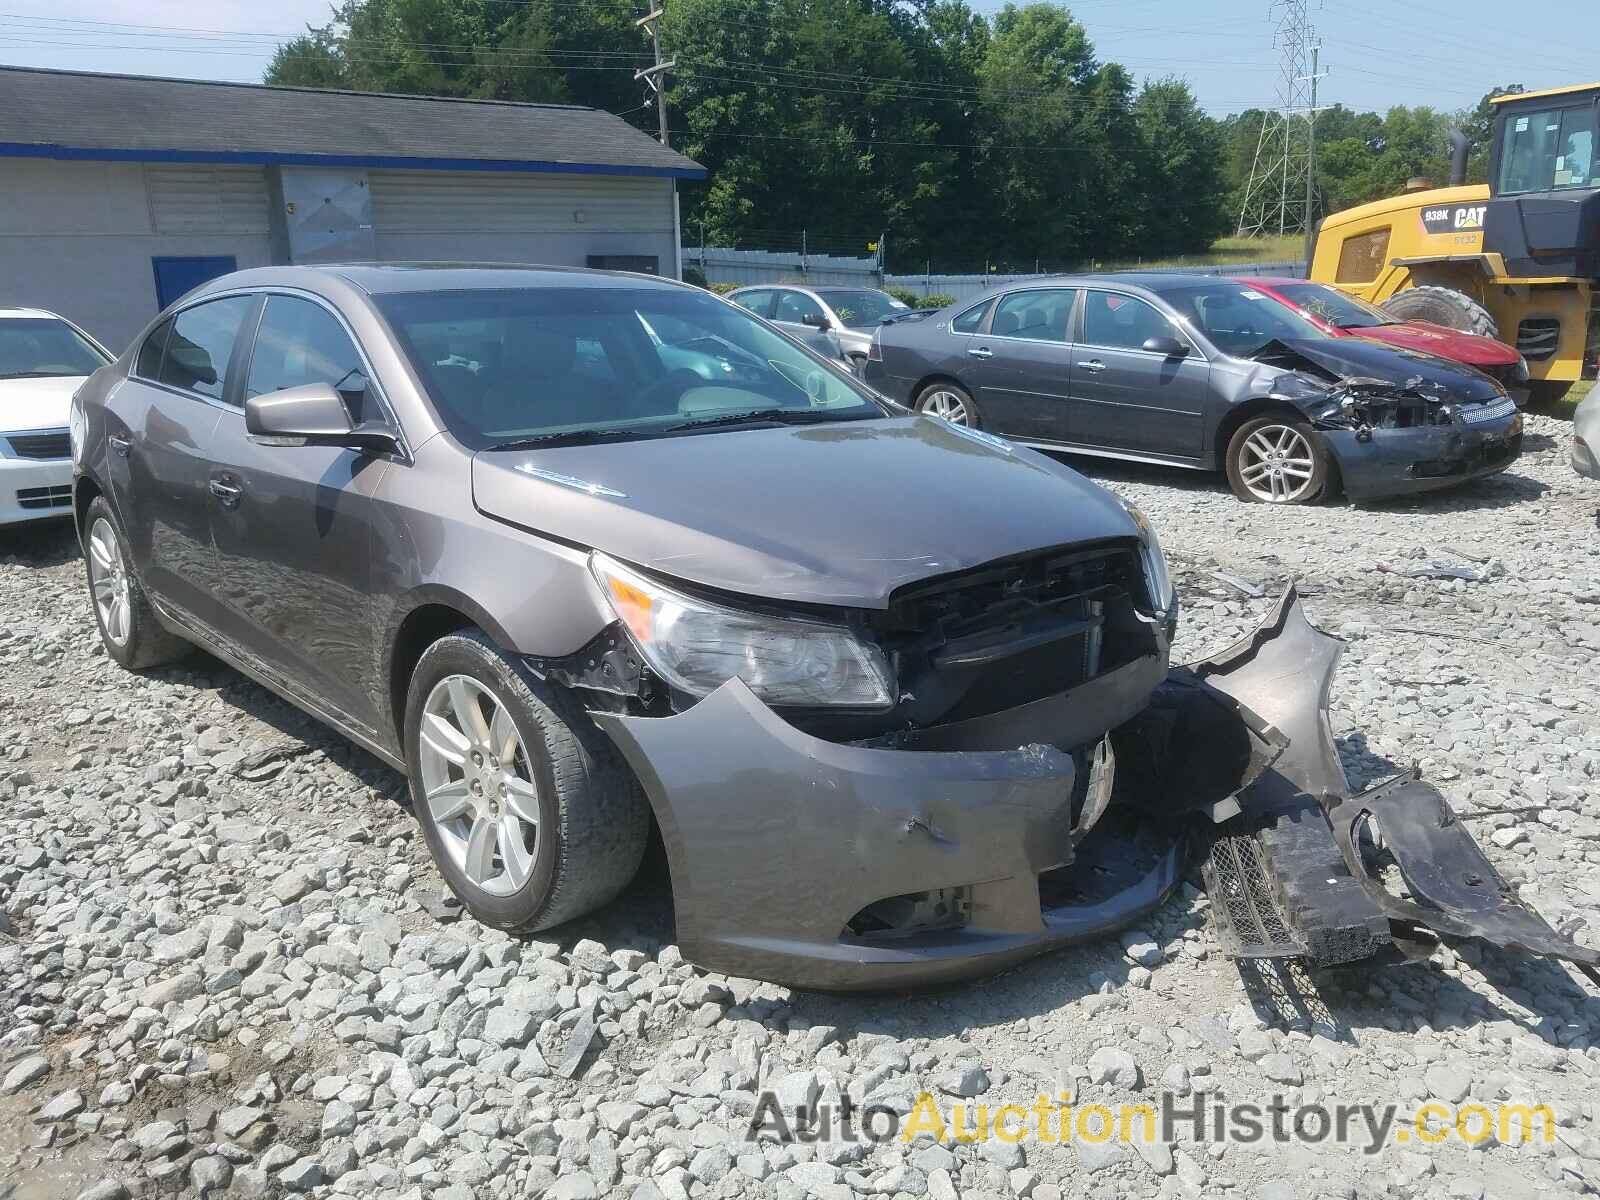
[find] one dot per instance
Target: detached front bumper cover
(778, 841)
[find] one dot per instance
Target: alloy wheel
(1277, 464)
(108, 580)
(477, 782)
(947, 406)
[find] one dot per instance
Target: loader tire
(1443, 306)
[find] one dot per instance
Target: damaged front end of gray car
(886, 851)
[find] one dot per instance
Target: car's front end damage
(870, 852)
(1437, 425)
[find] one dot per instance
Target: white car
(43, 360)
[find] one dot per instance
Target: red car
(1341, 315)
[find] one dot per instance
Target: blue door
(176, 277)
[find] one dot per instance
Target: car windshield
(1239, 320)
(860, 308)
(1335, 307)
(40, 347)
(551, 365)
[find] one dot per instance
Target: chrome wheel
(1277, 464)
(947, 406)
(108, 580)
(477, 782)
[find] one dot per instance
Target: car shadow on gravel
(1113, 470)
(45, 544)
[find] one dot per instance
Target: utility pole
(1311, 161)
(1282, 168)
(656, 76)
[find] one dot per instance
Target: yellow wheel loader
(1518, 259)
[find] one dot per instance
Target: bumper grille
(1477, 414)
(45, 497)
(55, 444)
(1248, 919)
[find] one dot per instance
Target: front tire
(949, 402)
(1543, 393)
(1276, 460)
(528, 810)
(130, 631)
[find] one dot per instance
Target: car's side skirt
(191, 627)
(1191, 464)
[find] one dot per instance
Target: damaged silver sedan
(585, 554)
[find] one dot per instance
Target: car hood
(1469, 348)
(826, 514)
(1351, 359)
(36, 403)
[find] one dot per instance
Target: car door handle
(120, 444)
(981, 352)
(228, 493)
(1094, 366)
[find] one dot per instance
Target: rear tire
(1443, 306)
(564, 823)
(130, 631)
(949, 401)
(1277, 460)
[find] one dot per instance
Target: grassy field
(1227, 252)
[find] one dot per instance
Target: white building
(119, 193)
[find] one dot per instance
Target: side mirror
(314, 415)
(815, 320)
(1169, 347)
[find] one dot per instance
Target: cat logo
(1454, 218)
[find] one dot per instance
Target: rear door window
(202, 343)
(1040, 315)
(758, 301)
(969, 321)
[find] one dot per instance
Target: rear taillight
(875, 351)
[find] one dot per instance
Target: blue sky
(1444, 53)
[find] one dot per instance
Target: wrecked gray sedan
(1202, 373)
(582, 552)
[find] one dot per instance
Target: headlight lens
(697, 646)
(1156, 574)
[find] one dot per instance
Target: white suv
(44, 358)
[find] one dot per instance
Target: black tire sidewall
(139, 615)
(457, 655)
(954, 389)
(1319, 458)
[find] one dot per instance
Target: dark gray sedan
(1203, 373)
(587, 555)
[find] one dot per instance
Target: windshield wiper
(761, 416)
(572, 437)
(36, 375)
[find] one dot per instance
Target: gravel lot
(225, 965)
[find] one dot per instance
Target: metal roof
(1508, 97)
(84, 115)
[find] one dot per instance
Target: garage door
(207, 199)
(454, 202)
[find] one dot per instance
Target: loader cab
(1543, 215)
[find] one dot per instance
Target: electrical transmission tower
(1279, 196)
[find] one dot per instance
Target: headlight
(1521, 373)
(1156, 575)
(697, 646)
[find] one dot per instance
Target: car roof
(391, 277)
(31, 314)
